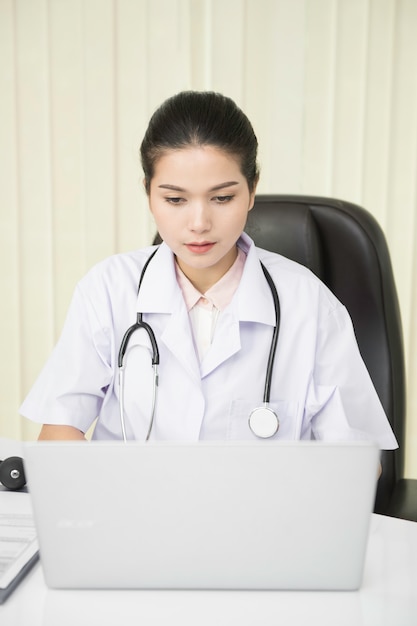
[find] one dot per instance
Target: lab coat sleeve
(72, 385)
(342, 402)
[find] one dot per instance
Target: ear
(252, 197)
(146, 186)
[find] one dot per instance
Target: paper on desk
(18, 541)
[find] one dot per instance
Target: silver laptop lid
(287, 515)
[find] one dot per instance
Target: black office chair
(344, 245)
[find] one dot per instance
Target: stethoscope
(263, 421)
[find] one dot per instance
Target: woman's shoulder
(119, 266)
(296, 278)
(282, 265)
(114, 279)
(279, 266)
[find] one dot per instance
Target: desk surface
(388, 596)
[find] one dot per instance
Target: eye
(223, 199)
(174, 200)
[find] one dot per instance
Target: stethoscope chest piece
(263, 422)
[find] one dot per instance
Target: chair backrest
(344, 245)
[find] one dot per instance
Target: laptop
(268, 515)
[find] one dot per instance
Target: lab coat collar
(160, 292)
(255, 302)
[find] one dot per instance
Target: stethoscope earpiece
(12, 473)
(263, 422)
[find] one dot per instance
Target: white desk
(388, 597)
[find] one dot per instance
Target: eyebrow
(229, 183)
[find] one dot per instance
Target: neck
(203, 279)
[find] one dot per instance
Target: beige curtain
(330, 86)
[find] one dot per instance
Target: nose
(199, 219)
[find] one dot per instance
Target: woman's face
(200, 201)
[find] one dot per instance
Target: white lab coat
(320, 388)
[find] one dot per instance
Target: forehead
(202, 164)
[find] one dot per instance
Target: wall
(330, 86)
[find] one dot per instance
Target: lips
(200, 248)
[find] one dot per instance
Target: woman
(205, 294)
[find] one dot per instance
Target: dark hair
(200, 118)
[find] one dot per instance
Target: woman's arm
(63, 433)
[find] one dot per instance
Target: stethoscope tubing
(274, 342)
